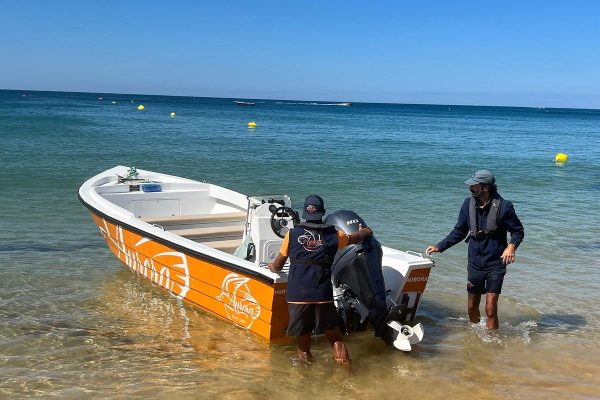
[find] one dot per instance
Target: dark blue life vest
(311, 249)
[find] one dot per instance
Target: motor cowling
(345, 220)
(358, 282)
(357, 273)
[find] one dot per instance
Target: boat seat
(227, 246)
(195, 218)
(210, 232)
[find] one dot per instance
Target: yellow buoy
(172, 114)
(252, 124)
(141, 107)
(561, 158)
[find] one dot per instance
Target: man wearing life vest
(484, 220)
(311, 247)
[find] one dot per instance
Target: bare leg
(304, 348)
(473, 300)
(333, 335)
(491, 310)
(340, 352)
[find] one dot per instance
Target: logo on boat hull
(240, 305)
(169, 269)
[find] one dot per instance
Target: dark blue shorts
(306, 319)
(487, 280)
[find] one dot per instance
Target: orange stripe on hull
(247, 302)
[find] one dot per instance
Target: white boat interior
(199, 212)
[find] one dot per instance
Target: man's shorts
(486, 280)
(311, 318)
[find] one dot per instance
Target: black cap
(314, 208)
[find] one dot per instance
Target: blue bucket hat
(483, 176)
(314, 208)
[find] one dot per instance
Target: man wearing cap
(311, 247)
(484, 220)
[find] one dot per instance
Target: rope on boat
(132, 175)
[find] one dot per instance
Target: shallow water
(74, 322)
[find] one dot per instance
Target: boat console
(269, 218)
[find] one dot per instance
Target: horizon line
(304, 100)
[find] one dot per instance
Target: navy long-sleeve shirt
(486, 252)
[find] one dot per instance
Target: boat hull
(248, 300)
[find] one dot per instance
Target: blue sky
(523, 53)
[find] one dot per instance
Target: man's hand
(365, 231)
(431, 249)
(508, 256)
(358, 237)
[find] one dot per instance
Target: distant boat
(344, 104)
(243, 103)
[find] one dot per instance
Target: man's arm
(517, 233)
(278, 263)
(359, 236)
(458, 234)
(514, 226)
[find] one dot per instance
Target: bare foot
(305, 356)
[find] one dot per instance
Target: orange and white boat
(209, 246)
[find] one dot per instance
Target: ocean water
(75, 323)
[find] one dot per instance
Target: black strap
(492, 219)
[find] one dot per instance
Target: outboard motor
(359, 287)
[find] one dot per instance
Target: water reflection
(150, 317)
(131, 339)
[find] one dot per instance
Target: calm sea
(75, 323)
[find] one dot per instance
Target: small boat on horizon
(244, 103)
(209, 246)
